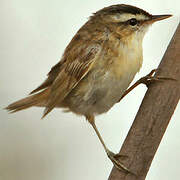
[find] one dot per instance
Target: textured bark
(153, 116)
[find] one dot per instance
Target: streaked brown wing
(75, 51)
(72, 49)
(76, 64)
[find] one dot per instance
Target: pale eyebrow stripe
(125, 17)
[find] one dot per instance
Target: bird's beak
(160, 17)
(155, 18)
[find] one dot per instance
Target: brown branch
(153, 116)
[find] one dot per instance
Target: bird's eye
(133, 22)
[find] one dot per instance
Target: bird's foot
(149, 78)
(115, 160)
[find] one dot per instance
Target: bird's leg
(113, 157)
(147, 80)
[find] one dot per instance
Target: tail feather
(38, 99)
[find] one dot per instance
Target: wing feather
(72, 72)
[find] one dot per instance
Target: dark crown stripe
(122, 8)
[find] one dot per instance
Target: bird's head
(126, 20)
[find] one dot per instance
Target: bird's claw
(114, 158)
(149, 78)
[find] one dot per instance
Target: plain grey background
(63, 146)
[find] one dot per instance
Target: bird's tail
(39, 99)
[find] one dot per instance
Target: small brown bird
(97, 66)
